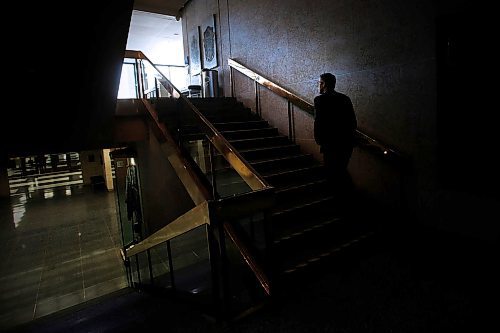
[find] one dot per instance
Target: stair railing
(211, 211)
(363, 140)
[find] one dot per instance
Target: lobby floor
(60, 248)
(60, 245)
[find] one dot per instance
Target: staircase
(310, 224)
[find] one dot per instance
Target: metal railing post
(231, 80)
(257, 102)
(214, 255)
(291, 134)
(212, 170)
(170, 265)
(150, 266)
(138, 269)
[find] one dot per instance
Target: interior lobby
(240, 231)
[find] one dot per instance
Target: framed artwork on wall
(194, 51)
(209, 44)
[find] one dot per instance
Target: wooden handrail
(193, 185)
(200, 214)
(194, 218)
(363, 139)
(294, 99)
(249, 259)
(241, 166)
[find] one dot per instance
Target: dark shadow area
(404, 281)
(467, 122)
(126, 310)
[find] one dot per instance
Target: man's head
(327, 82)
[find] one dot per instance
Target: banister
(249, 258)
(188, 177)
(296, 100)
(200, 214)
(362, 138)
(242, 167)
(190, 220)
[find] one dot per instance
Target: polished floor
(413, 283)
(60, 248)
(60, 245)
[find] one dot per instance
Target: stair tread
(258, 149)
(316, 256)
(266, 148)
(287, 157)
(249, 130)
(259, 138)
(290, 207)
(309, 224)
(291, 233)
(288, 170)
(232, 123)
(293, 187)
(240, 122)
(290, 195)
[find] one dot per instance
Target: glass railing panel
(241, 282)
(150, 77)
(210, 153)
(222, 176)
(246, 221)
(178, 75)
(160, 274)
(154, 86)
(128, 85)
(179, 259)
(191, 262)
(255, 227)
(140, 269)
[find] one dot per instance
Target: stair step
(214, 101)
(282, 178)
(239, 125)
(294, 235)
(237, 134)
(307, 212)
(260, 142)
(231, 117)
(264, 153)
(312, 258)
(297, 192)
(250, 133)
(267, 164)
(221, 113)
(257, 153)
(229, 126)
(311, 244)
(309, 224)
(252, 154)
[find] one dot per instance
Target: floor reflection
(18, 209)
(61, 246)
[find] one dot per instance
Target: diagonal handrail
(193, 185)
(201, 213)
(363, 139)
(294, 99)
(194, 218)
(242, 167)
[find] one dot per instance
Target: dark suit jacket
(334, 121)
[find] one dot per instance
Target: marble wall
(383, 53)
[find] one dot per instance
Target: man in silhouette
(334, 129)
